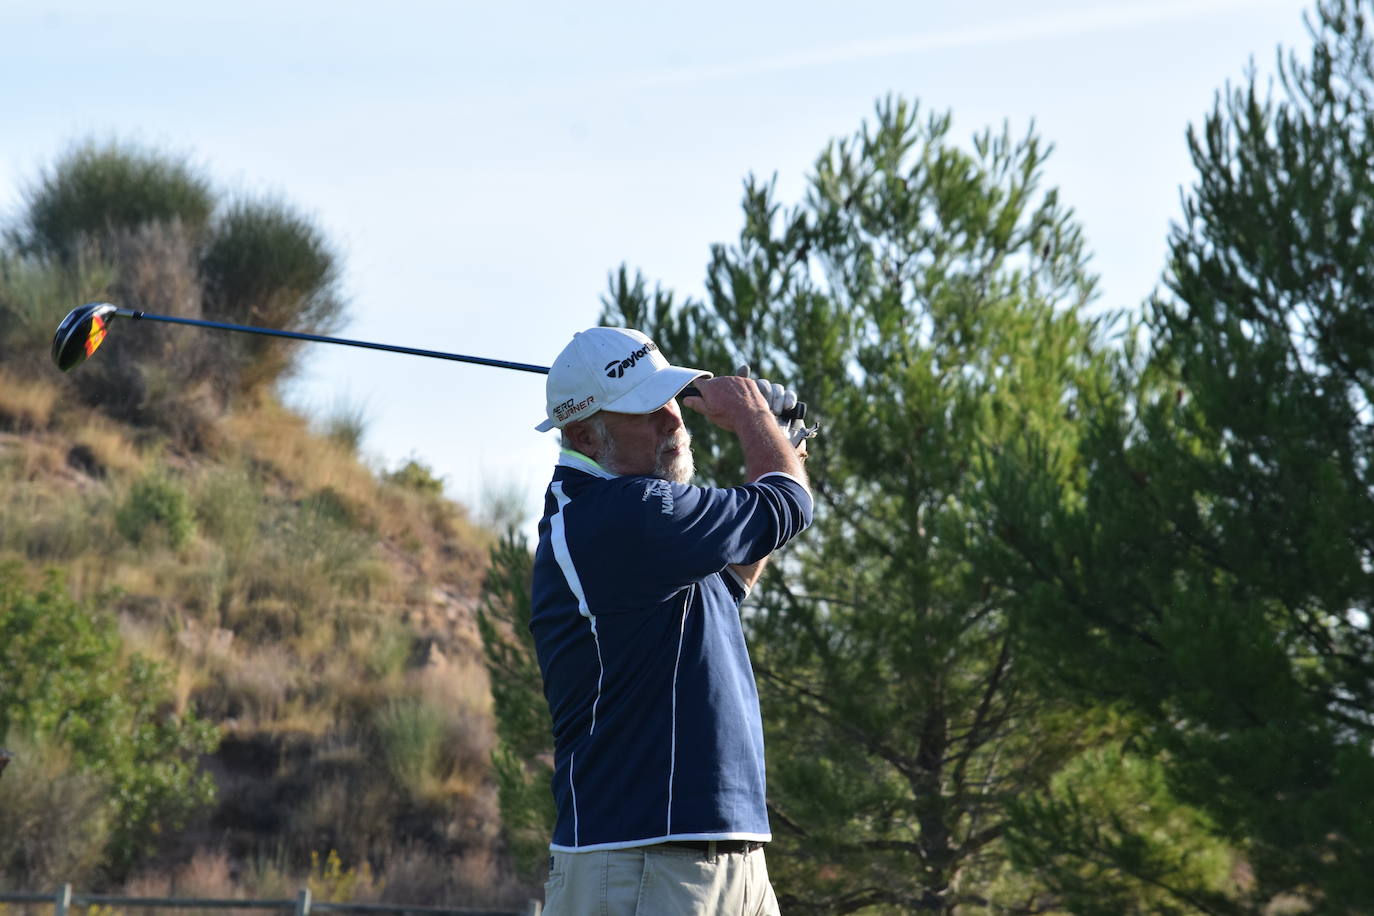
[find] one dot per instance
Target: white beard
(680, 468)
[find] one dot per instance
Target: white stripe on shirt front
(672, 744)
(572, 787)
(558, 538)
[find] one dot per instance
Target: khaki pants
(658, 881)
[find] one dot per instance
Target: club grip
(792, 413)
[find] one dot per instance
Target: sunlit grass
(301, 459)
(26, 404)
(109, 447)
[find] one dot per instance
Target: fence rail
(63, 899)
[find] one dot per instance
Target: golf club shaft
(320, 338)
(796, 413)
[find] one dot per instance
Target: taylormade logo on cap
(616, 369)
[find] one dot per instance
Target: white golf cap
(617, 369)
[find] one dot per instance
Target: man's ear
(582, 438)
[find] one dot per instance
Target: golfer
(638, 578)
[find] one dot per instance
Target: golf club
(83, 331)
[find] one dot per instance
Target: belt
(712, 847)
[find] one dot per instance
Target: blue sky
(483, 167)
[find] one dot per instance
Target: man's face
(654, 444)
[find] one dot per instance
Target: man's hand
(737, 404)
(781, 400)
(731, 402)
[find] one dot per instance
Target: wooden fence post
(303, 902)
(62, 901)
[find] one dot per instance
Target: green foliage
(95, 189)
(157, 507)
(64, 680)
(1216, 578)
(523, 757)
(418, 476)
(389, 649)
(1108, 836)
(412, 735)
(924, 300)
(267, 265)
(229, 509)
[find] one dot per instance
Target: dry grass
(472, 878)
(108, 446)
(410, 874)
(43, 515)
(459, 681)
(460, 684)
(25, 459)
(208, 874)
(53, 824)
(303, 460)
(312, 598)
(213, 874)
(434, 537)
(161, 583)
(26, 404)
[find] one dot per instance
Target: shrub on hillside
(229, 508)
(346, 424)
(55, 817)
(95, 189)
(418, 476)
(34, 295)
(411, 736)
(265, 264)
(154, 375)
(156, 507)
(140, 227)
(66, 680)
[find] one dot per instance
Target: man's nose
(670, 417)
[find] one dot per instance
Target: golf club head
(81, 333)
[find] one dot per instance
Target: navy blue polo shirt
(656, 725)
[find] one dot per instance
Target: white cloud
(1108, 17)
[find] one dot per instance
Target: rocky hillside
(315, 611)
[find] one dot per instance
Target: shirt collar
(572, 459)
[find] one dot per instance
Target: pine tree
(523, 757)
(1217, 578)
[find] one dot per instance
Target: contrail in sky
(1067, 23)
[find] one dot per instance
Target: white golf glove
(781, 400)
